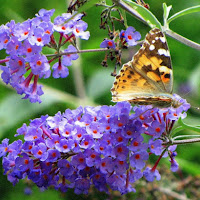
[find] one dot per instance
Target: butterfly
(148, 78)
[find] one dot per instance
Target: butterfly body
(147, 78)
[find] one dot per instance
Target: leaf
(186, 126)
(99, 84)
(166, 10)
(184, 12)
(149, 18)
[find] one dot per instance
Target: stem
(129, 9)
(80, 51)
(4, 60)
(156, 164)
(185, 136)
(182, 39)
(78, 78)
(187, 141)
(89, 50)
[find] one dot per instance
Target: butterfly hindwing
(128, 84)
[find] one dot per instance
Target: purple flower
(106, 165)
(117, 182)
(53, 155)
(69, 57)
(13, 46)
(99, 181)
(28, 50)
(79, 161)
(156, 129)
(17, 64)
(155, 146)
(22, 31)
(92, 158)
(108, 44)
(59, 70)
(103, 146)
(40, 151)
(150, 174)
(4, 37)
(131, 36)
(79, 30)
(64, 145)
(39, 37)
(4, 147)
(135, 175)
(45, 15)
(121, 166)
(40, 66)
(82, 186)
(24, 163)
(6, 74)
(66, 169)
(121, 152)
(137, 144)
(24, 43)
(174, 165)
(33, 134)
(137, 160)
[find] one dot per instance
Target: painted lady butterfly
(147, 78)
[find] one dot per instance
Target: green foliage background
(63, 93)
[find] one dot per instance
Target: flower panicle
(101, 146)
(24, 42)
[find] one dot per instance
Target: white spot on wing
(162, 39)
(163, 52)
(153, 41)
(164, 69)
(152, 47)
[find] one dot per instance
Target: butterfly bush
(104, 146)
(24, 42)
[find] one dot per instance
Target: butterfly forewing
(147, 78)
(153, 61)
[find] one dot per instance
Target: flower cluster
(104, 146)
(128, 36)
(24, 42)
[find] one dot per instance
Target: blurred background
(89, 83)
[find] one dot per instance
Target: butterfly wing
(148, 74)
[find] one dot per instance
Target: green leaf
(184, 12)
(186, 126)
(149, 18)
(166, 10)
